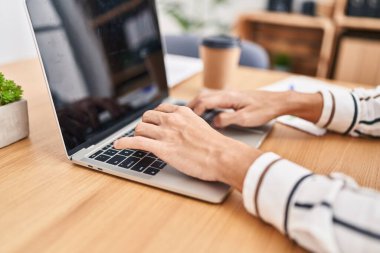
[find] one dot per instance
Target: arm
(321, 213)
(356, 113)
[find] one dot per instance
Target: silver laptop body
(104, 67)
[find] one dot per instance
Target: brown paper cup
(220, 61)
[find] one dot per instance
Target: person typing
(321, 213)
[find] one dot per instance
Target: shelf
(308, 40)
(356, 57)
(354, 23)
(366, 66)
(358, 23)
(288, 19)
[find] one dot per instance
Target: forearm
(318, 212)
(355, 113)
(235, 162)
(306, 106)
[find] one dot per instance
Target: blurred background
(337, 39)
(176, 16)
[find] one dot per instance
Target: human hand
(256, 108)
(185, 141)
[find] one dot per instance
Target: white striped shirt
(321, 213)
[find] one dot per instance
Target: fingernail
(115, 144)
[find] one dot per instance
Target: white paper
(302, 84)
(180, 68)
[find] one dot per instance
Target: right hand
(249, 109)
(199, 150)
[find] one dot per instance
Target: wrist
(306, 106)
(236, 163)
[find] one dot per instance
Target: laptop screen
(104, 63)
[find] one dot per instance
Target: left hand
(185, 141)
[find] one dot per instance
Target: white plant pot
(14, 123)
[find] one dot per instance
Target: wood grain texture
(49, 205)
(366, 66)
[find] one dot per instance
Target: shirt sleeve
(321, 213)
(356, 113)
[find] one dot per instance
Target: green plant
(9, 91)
(185, 22)
(282, 62)
(194, 22)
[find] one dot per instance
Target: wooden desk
(49, 205)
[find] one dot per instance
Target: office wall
(16, 41)
(15, 38)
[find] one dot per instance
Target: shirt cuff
(327, 108)
(271, 180)
(340, 111)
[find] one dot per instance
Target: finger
(137, 142)
(230, 118)
(153, 117)
(202, 95)
(213, 102)
(192, 103)
(167, 108)
(148, 131)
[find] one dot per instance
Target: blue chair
(252, 55)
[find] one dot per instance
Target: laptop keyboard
(135, 160)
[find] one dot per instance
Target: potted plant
(14, 124)
(282, 62)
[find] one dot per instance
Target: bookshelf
(357, 48)
(308, 41)
(355, 23)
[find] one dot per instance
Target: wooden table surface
(48, 204)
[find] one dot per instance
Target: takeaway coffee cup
(220, 55)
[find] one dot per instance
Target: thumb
(229, 118)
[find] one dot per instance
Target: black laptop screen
(104, 63)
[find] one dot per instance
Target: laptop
(103, 62)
